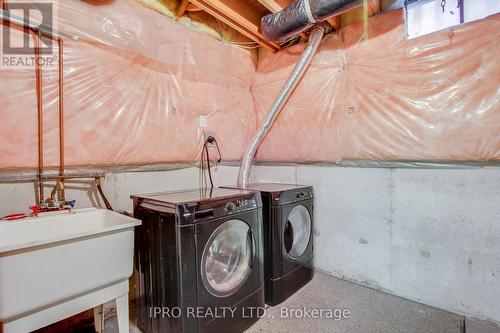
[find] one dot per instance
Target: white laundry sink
(56, 266)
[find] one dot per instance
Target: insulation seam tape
(309, 14)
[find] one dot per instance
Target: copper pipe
(103, 196)
(38, 73)
(30, 179)
(37, 36)
(39, 99)
(76, 176)
(57, 189)
(60, 44)
(61, 107)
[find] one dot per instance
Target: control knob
(230, 206)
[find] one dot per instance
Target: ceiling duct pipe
(301, 15)
(300, 68)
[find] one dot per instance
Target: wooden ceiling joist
(275, 5)
(373, 7)
(192, 8)
(245, 16)
(182, 9)
(238, 15)
(335, 22)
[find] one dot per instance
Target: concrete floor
(370, 311)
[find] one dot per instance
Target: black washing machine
(199, 260)
(288, 238)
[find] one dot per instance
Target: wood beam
(240, 11)
(375, 6)
(335, 22)
(192, 8)
(275, 5)
(239, 15)
(182, 9)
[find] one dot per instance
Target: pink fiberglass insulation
(136, 84)
(382, 97)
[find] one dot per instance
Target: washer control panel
(240, 205)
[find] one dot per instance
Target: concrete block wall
(429, 235)
(118, 187)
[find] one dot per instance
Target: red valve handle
(35, 209)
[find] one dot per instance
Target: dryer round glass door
(227, 258)
(297, 231)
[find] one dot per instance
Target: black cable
(218, 150)
(208, 165)
(204, 152)
(203, 182)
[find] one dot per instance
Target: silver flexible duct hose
(301, 15)
(298, 71)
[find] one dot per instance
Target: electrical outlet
(202, 122)
(208, 134)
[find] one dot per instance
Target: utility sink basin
(56, 266)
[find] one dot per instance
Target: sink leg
(122, 313)
(99, 318)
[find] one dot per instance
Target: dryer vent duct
(301, 15)
(291, 83)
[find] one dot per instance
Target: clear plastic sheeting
(136, 84)
(201, 21)
(375, 96)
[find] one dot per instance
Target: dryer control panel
(288, 197)
(283, 194)
(303, 195)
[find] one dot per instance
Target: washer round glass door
(227, 258)
(297, 231)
